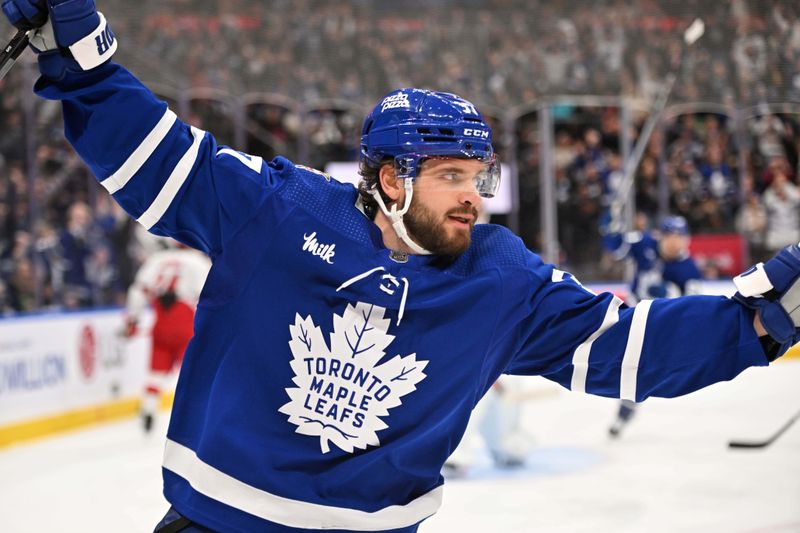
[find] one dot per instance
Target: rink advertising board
(727, 251)
(66, 369)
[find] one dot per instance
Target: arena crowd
(296, 78)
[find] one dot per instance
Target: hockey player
(170, 281)
(663, 268)
(342, 339)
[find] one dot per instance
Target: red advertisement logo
(87, 351)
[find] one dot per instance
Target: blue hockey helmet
(675, 224)
(411, 125)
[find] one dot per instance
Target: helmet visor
(448, 172)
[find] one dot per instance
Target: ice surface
(670, 472)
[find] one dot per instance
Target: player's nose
(470, 197)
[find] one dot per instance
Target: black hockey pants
(173, 522)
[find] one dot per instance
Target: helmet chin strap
(396, 217)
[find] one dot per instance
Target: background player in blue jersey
(343, 337)
(662, 268)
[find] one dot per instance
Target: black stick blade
(755, 445)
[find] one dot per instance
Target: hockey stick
(690, 36)
(11, 52)
(764, 443)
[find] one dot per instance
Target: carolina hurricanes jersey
(329, 379)
(654, 277)
(181, 271)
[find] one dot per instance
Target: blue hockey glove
(773, 289)
(25, 14)
(76, 37)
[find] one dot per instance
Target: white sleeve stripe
(224, 488)
(173, 183)
(580, 359)
(633, 351)
(139, 156)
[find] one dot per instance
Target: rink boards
(59, 371)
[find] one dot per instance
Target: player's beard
(430, 231)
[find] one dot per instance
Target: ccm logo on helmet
(469, 132)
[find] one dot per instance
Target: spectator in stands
(77, 242)
(8, 225)
(782, 202)
(527, 49)
(47, 260)
(6, 307)
(564, 151)
(751, 223)
(647, 186)
(707, 215)
(612, 174)
(776, 165)
(718, 180)
(18, 272)
(770, 133)
(12, 142)
(22, 286)
(102, 275)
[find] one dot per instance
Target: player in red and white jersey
(170, 281)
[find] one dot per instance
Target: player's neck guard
(396, 217)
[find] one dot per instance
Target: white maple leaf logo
(341, 390)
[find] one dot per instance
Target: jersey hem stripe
(219, 486)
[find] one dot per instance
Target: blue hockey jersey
(653, 277)
(328, 379)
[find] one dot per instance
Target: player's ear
(392, 186)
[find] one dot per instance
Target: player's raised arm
(663, 347)
(170, 176)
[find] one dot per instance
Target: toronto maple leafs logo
(342, 392)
